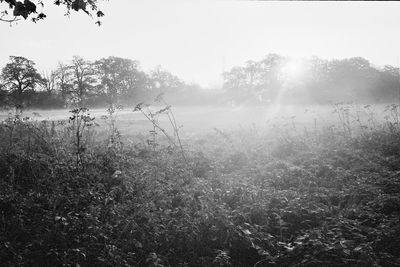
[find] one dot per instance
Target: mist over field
(199, 133)
(204, 119)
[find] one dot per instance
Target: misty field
(203, 119)
(234, 186)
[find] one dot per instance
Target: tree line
(120, 81)
(80, 82)
(317, 81)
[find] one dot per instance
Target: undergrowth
(328, 196)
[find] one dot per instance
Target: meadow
(234, 186)
(200, 120)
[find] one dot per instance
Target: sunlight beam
(293, 69)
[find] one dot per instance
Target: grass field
(241, 187)
(202, 120)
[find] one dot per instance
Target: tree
(47, 96)
(322, 81)
(75, 82)
(256, 81)
(234, 83)
(63, 81)
(119, 77)
(82, 75)
(162, 81)
(19, 78)
(28, 9)
(50, 81)
(389, 84)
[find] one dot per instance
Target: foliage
(122, 82)
(20, 77)
(251, 198)
(80, 123)
(83, 79)
(318, 81)
(153, 118)
(111, 81)
(29, 9)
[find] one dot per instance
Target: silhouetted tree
(63, 82)
(20, 78)
(82, 80)
(256, 81)
(163, 82)
(47, 95)
(120, 79)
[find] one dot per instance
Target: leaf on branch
(31, 7)
(41, 16)
(79, 5)
(11, 3)
(23, 9)
(20, 10)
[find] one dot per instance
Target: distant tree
(235, 83)
(47, 95)
(63, 81)
(272, 79)
(119, 78)
(322, 81)
(389, 84)
(19, 79)
(162, 81)
(82, 80)
(256, 81)
(50, 81)
(14, 9)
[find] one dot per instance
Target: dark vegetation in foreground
(284, 197)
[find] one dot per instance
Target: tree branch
(10, 20)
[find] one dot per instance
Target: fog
(194, 120)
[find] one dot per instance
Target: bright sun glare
(293, 69)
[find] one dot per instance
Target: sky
(198, 40)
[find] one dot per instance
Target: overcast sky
(193, 39)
